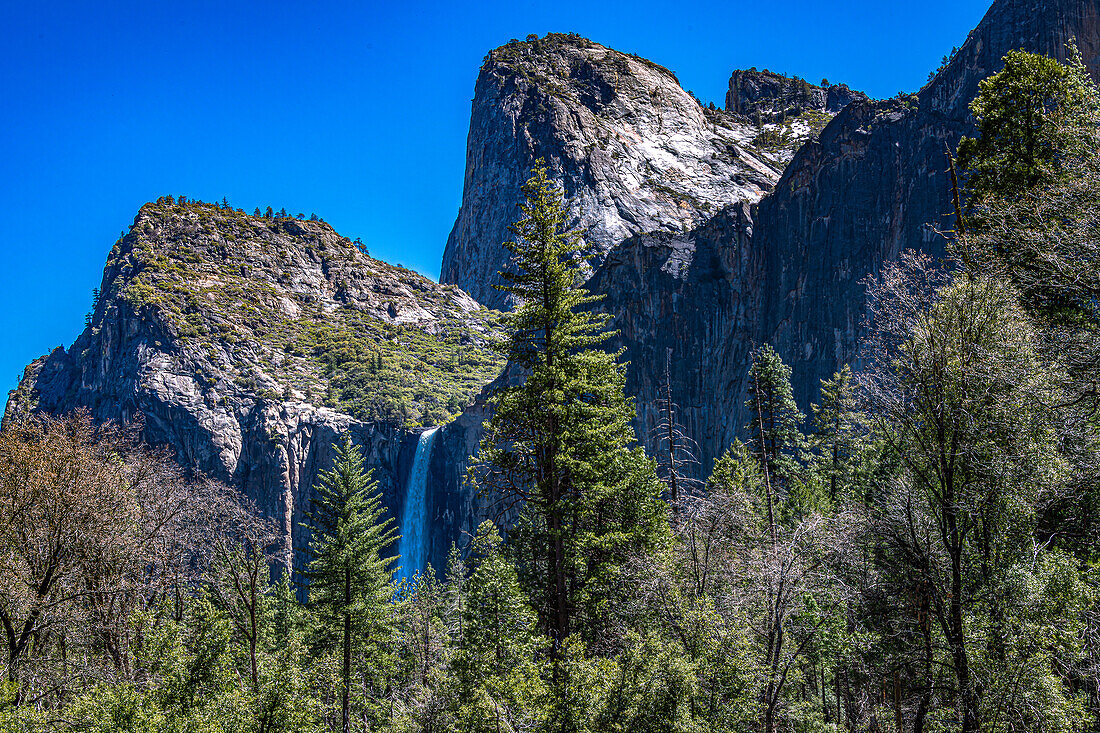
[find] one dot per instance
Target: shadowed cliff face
(875, 183)
(689, 300)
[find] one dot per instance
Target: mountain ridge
(246, 344)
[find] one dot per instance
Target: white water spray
(414, 520)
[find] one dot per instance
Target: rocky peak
(1038, 26)
(246, 344)
(766, 96)
(633, 150)
(291, 308)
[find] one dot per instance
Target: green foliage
(208, 274)
(839, 439)
(653, 690)
(963, 402)
(348, 572)
(562, 442)
(1041, 236)
(1046, 603)
(1022, 113)
(775, 418)
(579, 688)
(497, 668)
(398, 374)
(1032, 189)
(193, 685)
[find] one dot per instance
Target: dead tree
(674, 450)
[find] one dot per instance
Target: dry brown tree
(94, 527)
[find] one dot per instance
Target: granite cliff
(636, 154)
(783, 265)
(246, 344)
(766, 95)
(875, 183)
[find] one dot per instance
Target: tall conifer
(775, 417)
(561, 443)
(349, 575)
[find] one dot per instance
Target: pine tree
(349, 575)
(839, 434)
(499, 626)
(561, 443)
(775, 418)
(495, 665)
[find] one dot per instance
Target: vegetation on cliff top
(516, 52)
(285, 308)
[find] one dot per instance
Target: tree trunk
(345, 703)
(824, 701)
(556, 552)
(836, 689)
(956, 630)
(772, 689)
(253, 639)
(897, 701)
(924, 620)
(560, 612)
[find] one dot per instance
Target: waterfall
(414, 520)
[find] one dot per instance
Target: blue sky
(355, 111)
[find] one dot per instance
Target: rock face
(876, 183)
(689, 301)
(634, 151)
(788, 271)
(766, 95)
(228, 335)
